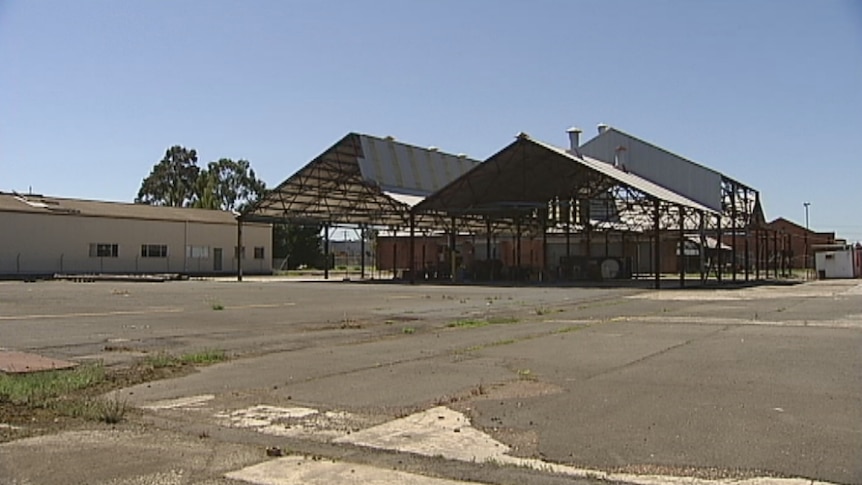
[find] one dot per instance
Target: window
(258, 252)
(198, 252)
(240, 252)
(154, 251)
(104, 250)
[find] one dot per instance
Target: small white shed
(835, 261)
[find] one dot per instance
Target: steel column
(588, 228)
(394, 257)
(238, 250)
(544, 249)
(362, 252)
(657, 235)
(733, 227)
(518, 245)
(326, 252)
(682, 260)
(704, 272)
(756, 254)
(412, 265)
(775, 252)
(452, 249)
(718, 250)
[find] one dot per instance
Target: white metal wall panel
(678, 174)
(835, 263)
(399, 167)
(57, 243)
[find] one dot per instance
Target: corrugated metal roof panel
(399, 167)
(651, 162)
(630, 179)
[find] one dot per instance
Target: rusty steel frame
(330, 190)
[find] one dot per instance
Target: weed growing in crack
(111, 410)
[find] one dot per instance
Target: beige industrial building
(49, 235)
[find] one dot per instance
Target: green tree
(178, 181)
(227, 185)
(173, 181)
(206, 192)
(299, 244)
(233, 183)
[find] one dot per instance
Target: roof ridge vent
(522, 136)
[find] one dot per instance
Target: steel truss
(525, 190)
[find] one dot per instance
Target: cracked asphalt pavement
(570, 385)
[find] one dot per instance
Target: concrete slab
(13, 362)
(442, 432)
(302, 471)
(438, 431)
(120, 456)
(295, 422)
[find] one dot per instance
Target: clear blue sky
(768, 92)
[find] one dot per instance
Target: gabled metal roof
(60, 206)
(528, 173)
(361, 179)
(634, 181)
(406, 169)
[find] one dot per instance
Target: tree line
(226, 184)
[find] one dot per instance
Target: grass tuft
(526, 375)
(36, 389)
(161, 360)
(502, 320)
(110, 410)
(203, 357)
(473, 323)
(475, 348)
(467, 323)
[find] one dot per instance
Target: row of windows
(258, 252)
(154, 251)
(101, 250)
(109, 250)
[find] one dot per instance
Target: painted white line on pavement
(92, 314)
(443, 432)
(190, 402)
(301, 471)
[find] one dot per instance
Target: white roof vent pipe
(620, 158)
(602, 128)
(574, 139)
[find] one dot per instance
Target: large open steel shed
(362, 181)
(529, 187)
